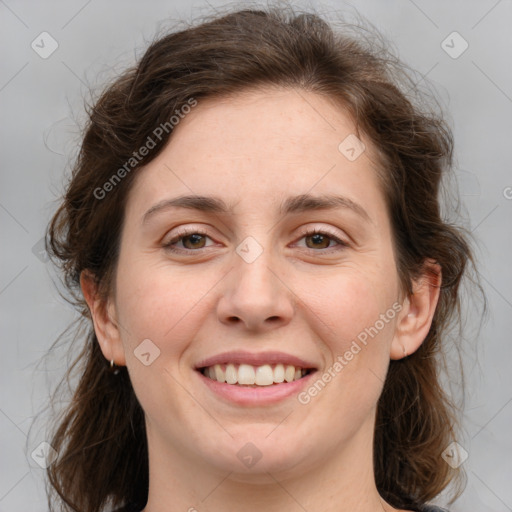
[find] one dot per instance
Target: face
(254, 287)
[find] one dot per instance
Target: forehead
(261, 146)
(259, 123)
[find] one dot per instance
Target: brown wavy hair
(100, 434)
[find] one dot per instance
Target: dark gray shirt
(424, 508)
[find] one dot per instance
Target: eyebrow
(291, 205)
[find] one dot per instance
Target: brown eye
(319, 241)
(195, 241)
(190, 240)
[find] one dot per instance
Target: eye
(321, 239)
(191, 239)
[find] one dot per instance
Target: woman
(253, 235)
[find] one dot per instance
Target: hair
(100, 435)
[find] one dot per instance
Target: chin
(251, 458)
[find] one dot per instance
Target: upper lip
(255, 359)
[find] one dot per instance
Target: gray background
(41, 99)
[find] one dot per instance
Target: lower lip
(244, 395)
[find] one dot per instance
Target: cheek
(358, 310)
(167, 308)
(163, 305)
(349, 305)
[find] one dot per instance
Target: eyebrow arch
(295, 204)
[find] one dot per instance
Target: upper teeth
(247, 374)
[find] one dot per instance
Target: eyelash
(310, 232)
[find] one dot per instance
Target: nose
(256, 295)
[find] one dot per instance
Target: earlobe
(418, 310)
(104, 321)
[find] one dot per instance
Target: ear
(104, 320)
(418, 310)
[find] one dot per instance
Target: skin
(302, 296)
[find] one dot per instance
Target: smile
(250, 375)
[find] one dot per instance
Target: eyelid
(325, 231)
(182, 232)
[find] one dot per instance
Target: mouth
(253, 379)
(247, 375)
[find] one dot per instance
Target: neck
(341, 482)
